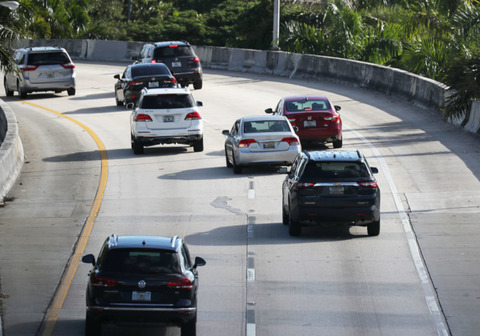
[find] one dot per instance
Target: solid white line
(251, 329)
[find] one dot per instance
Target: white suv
(166, 116)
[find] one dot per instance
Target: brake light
(173, 45)
(291, 141)
(143, 117)
(369, 184)
(172, 80)
(68, 65)
(195, 59)
(245, 143)
(193, 116)
(181, 283)
(29, 67)
(334, 118)
(303, 185)
(101, 281)
(132, 83)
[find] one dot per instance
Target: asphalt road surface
(420, 276)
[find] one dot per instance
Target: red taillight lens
(195, 59)
(100, 281)
(29, 67)
(334, 118)
(132, 83)
(193, 116)
(291, 141)
(143, 117)
(173, 45)
(173, 80)
(245, 143)
(370, 184)
(303, 185)
(182, 283)
(68, 65)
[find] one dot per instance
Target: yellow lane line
(67, 278)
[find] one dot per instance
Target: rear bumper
(246, 157)
(188, 77)
(352, 216)
(48, 86)
(325, 135)
(177, 139)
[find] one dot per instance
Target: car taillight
(29, 67)
(68, 65)
(157, 61)
(291, 141)
(101, 281)
(193, 116)
(182, 283)
(171, 80)
(195, 59)
(369, 184)
(132, 83)
(334, 118)
(143, 117)
(173, 45)
(303, 185)
(245, 143)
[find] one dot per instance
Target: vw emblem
(142, 284)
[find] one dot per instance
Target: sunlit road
(258, 280)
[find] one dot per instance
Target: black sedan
(139, 76)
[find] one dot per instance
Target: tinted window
(335, 170)
(167, 101)
(140, 71)
(266, 126)
(307, 105)
(172, 52)
(48, 58)
(145, 261)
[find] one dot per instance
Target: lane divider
(61, 292)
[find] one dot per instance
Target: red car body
(314, 118)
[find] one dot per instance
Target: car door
(11, 77)
(121, 84)
(231, 142)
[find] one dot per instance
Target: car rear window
(167, 101)
(50, 58)
(307, 105)
(145, 261)
(337, 169)
(266, 126)
(172, 51)
(150, 70)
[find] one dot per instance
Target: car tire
(284, 217)
(118, 102)
(8, 92)
(137, 146)
(373, 229)
(71, 92)
(197, 85)
(198, 145)
(227, 162)
(189, 329)
(338, 143)
(21, 92)
(294, 227)
(236, 168)
(92, 327)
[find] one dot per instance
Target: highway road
(420, 276)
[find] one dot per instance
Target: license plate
(309, 123)
(141, 296)
(153, 85)
(337, 190)
(269, 145)
(176, 64)
(168, 118)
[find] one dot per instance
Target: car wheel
(294, 227)
(189, 329)
(92, 327)
(137, 146)
(71, 91)
(373, 228)
(8, 92)
(284, 216)
(21, 92)
(338, 143)
(198, 85)
(118, 102)
(227, 162)
(236, 168)
(198, 145)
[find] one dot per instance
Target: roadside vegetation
(439, 39)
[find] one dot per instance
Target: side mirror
(199, 103)
(226, 132)
(89, 259)
(337, 108)
(199, 262)
(269, 110)
(130, 106)
(117, 76)
(374, 170)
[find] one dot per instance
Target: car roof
(165, 91)
(315, 97)
(142, 241)
(149, 65)
(263, 117)
(167, 43)
(43, 49)
(335, 155)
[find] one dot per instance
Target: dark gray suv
(41, 69)
(179, 57)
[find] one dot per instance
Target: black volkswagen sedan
(139, 76)
(331, 187)
(142, 280)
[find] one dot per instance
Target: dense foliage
(438, 39)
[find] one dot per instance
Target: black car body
(142, 279)
(139, 76)
(331, 187)
(179, 57)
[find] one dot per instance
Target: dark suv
(179, 57)
(142, 279)
(331, 187)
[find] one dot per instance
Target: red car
(313, 117)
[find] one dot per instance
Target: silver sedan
(261, 140)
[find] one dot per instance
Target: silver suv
(41, 69)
